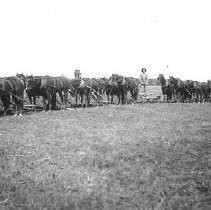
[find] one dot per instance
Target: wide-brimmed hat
(143, 69)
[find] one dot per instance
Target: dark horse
(34, 90)
(97, 89)
(84, 89)
(53, 85)
(132, 87)
(119, 88)
(29, 92)
(166, 89)
(106, 87)
(81, 87)
(12, 86)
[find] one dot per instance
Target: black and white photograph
(105, 104)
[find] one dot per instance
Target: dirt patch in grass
(113, 157)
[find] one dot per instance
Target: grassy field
(144, 156)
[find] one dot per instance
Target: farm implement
(153, 95)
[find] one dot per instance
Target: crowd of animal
(176, 90)
(47, 87)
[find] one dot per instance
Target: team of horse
(177, 90)
(47, 87)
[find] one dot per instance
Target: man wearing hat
(143, 82)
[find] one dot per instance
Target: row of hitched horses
(174, 90)
(177, 90)
(48, 87)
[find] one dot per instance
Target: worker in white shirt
(144, 79)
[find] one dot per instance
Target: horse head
(22, 77)
(173, 81)
(43, 81)
(161, 80)
(116, 78)
(209, 83)
(29, 82)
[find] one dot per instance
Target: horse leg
(98, 96)
(49, 102)
(125, 97)
(65, 98)
(76, 99)
(53, 100)
(62, 99)
(29, 96)
(16, 104)
(112, 98)
(5, 98)
(44, 103)
(34, 100)
(86, 99)
(49, 98)
(81, 100)
(172, 97)
(20, 103)
(30, 99)
(119, 98)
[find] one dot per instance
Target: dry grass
(148, 156)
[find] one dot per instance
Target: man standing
(143, 82)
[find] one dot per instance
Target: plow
(97, 96)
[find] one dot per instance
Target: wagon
(153, 94)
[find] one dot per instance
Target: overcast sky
(101, 37)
